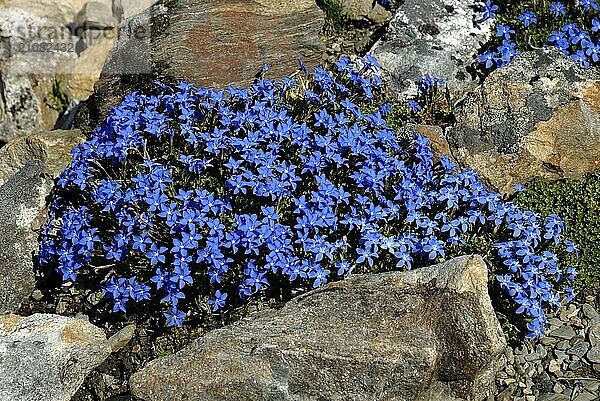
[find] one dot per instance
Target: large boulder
(22, 206)
(210, 43)
(429, 334)
(47, 357)
(53, 148)
(436, 38)
(537, 117)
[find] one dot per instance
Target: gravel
(563, 366)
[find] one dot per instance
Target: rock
(47, 357)
(363, 11)
(123, 9)
(593, 354)
(564, 332)
(554, 397)
(429, 333)
(575, 365)
(594, 334)
(437, 140)
(35, 86)
(537, 117)
(431, 38)
(22, 206)
(53, 148)
(95, 15)
(554, 366)
(589, 311)
(208, 43)
(579, 349)
(121, 338)
(585, 396)
(59, 12)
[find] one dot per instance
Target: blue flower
(174, 317)
(504, 31)
(488, 58)
(413, 106)
(489, 10)
(218, 302)
(528, 18)
(557, 9)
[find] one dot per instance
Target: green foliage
(578, 203)
(57, 98)
(334, 12)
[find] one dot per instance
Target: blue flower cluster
(574, 41)
(194, 192)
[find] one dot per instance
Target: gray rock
(121, 338)
(22, 205)
(123, 9)
(594, 334)
(586, 396)
(575, 365)
(537, 117)
(579, 349)
(435, 38)
(564, 332)
(553, 397)
(53, 148)
(363, 11)
(27, 77)
(95, 15)
(47, 357)
(206, 43)
(427, 334)
(59, 12)
(593, 354)
(589, 311)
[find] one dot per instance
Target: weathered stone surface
(364, 10)
(95, 15)
(60, 12)
(537, 117)
(28, 78)
(437, 140)
(123, 9)
(53, 148)
(429, 334)
(209, 43)
(22, 201)
(47, 357)
(435, 38)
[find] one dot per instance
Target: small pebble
(554, 366)
(558, 388)
(561, 356)
(564, 332)
(579, 349)
(562, 345)
(575, 365)
(593, 354)
(37, 295)
(576, 340)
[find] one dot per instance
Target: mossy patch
(578, 203)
